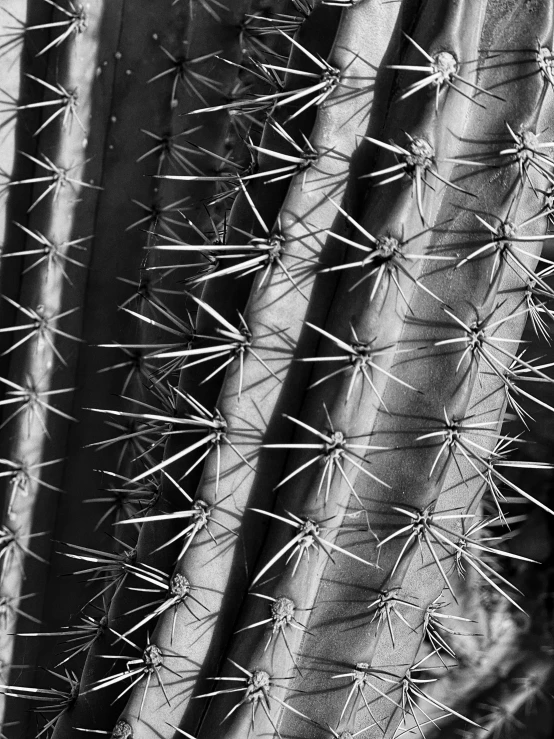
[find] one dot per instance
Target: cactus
(266, 271)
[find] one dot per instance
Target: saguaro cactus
(309, 516)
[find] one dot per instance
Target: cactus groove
(275, 368)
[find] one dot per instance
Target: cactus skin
(298, 546)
